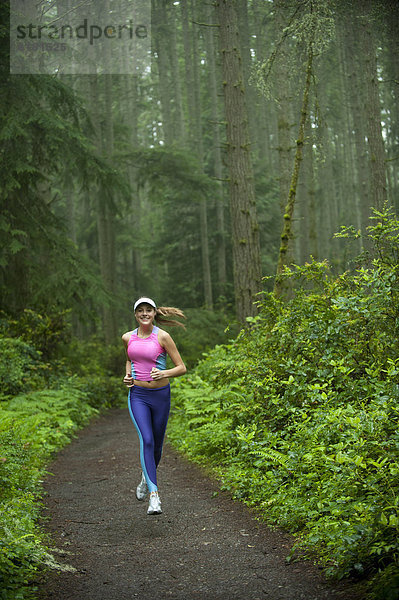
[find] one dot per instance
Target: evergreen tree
(245, 228)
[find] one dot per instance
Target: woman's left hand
(157, 374)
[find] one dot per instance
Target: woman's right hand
(128, 380)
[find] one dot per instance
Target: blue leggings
(149, 409)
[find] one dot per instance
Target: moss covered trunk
(282, 285)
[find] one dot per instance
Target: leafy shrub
(20, 367)
(92, 357)
(204, 329)
(32, 427)
(45, 332)
(102, 392)
(22, 552)
(299, 415)
(35, 422)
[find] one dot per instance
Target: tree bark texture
(179, 122)
(199, 149)
(191, 61)
(160, 33)
(104, 214)
(282, 285)
(217, 150)
(368, 49)
(189, 70)
(393, 90)
(284, 109)
(245, 228)
(353, 78)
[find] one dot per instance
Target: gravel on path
(203, 546)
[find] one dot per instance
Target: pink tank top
(145, 353)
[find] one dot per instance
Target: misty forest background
(117, 186)
(255, 159)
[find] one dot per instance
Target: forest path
(203, 546)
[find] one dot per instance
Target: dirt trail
(203, 546)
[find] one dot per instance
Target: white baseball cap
(144, 301)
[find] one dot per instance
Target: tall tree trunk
(196, 138)
(130, 114)
(282, 286)
(311, 192)
(307, 229)
(246, 249)
(106, 212)
(350, 179)
(206, 267)
(179, 124)
(372, 108)
(160, 29)
(284, 109)
(217, 153)
(250, 93)
(265, 108)
(104, 215)
(189, 72)
(353, 78)
(392, 66)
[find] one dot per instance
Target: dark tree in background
(174, 181)
(245, 228)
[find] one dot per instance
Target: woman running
(149, 393)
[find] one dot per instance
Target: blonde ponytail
(163, 312)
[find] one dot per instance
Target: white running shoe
(141, 489)
(154, 507)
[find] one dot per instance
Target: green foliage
(27, 344)
(32, 427)
(102, 392)
(44, 354)
(177, 171)
(269, 219)
(309, 26)
(90, 357)
(95, 368)
(45, 143)
(21, 551)
(35, 422)
(45, 332)
(170, 235)
(19, 367)
(299, 415)
(204, 329)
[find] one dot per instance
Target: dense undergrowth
(50, 387)
(299, 414)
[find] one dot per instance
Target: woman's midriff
(152, 384)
